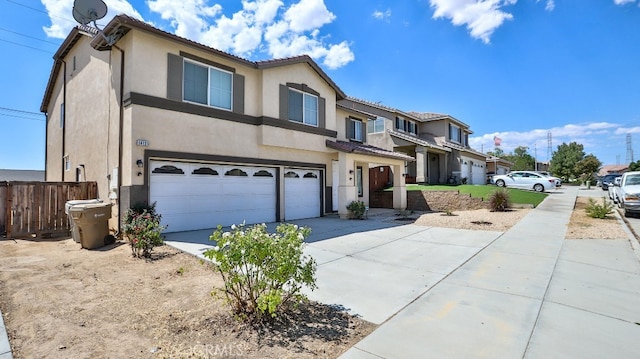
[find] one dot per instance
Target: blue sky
(516, 69)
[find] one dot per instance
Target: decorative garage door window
(310, 175)
(169, 169)
(291, 174)
(236, 172)
(262, 173)
(205, 171)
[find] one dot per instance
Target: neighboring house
(21, 175)
(613, 169)
(438, 142)
(210, 137)
(498, 166)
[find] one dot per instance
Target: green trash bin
(92, 222)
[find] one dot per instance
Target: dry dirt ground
(60, 301)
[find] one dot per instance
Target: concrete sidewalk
(529, 294)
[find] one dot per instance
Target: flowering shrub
(141, 226)
(262, 272)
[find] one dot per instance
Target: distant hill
(21, 175)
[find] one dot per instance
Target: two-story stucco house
(211, 138)
(439, 143)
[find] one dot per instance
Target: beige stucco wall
(301, 73)
(147, 68)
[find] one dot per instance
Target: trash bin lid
(76, 202)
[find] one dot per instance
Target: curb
(5, 347)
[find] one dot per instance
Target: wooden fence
(37, 208)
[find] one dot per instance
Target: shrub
(262, 272)
(357, 209)
(141, 226)
(499, 200)
(595, 210)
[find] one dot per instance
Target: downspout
(120, 136)
(46, 136)
(64, 116)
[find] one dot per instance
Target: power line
(24, 117)
(29, 36)
(40, 11)
(27, 46)
(21, 111)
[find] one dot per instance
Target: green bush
(499, 200)
(141, 226)
(357, 209)
(262, 272)
(595, 210)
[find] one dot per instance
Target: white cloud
(550, 5)
(308, 15)
(60, 13)
(260, 26)
(382, 15)
(623, 2)
(594, 136)
(481, 17)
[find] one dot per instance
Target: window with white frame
(67, 163)
(355, 130)
(303, 107)
(375, 126)
(207, 85)
(455, 133)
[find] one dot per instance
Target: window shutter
(238, 93)
(349, 128)
(364, 131)
(174, 77)
(322, 112)
(284, 103)
(397, 123)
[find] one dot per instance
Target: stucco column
(421, 164)
(399, 188)
(347, 191)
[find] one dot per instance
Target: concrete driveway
(444, 293)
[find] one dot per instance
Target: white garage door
(301, 194)
(479, 173)
(192, 196)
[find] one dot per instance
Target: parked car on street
(629, 193)
(614, 189)
(608, 180)
(525, 180)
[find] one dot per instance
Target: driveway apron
(526, 295)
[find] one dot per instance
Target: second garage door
(301, 194)
(192, 196)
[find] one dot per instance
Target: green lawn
(484, 191)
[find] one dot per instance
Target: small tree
(262, 272)
(588, 167)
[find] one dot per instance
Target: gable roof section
(430, 116)
(353, 100)
(76, 34)
(121, 24)
(360, 148)
(426, 142)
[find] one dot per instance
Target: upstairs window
(403, 125)
(376, 126)
(455, 133)
(355, 130)
(207, 85)
(303, 107)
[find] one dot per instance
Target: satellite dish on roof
(87, 11)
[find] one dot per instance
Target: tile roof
(430, 116)
(378, 106)
(355, 147)
(121, 24)
(429, 141)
